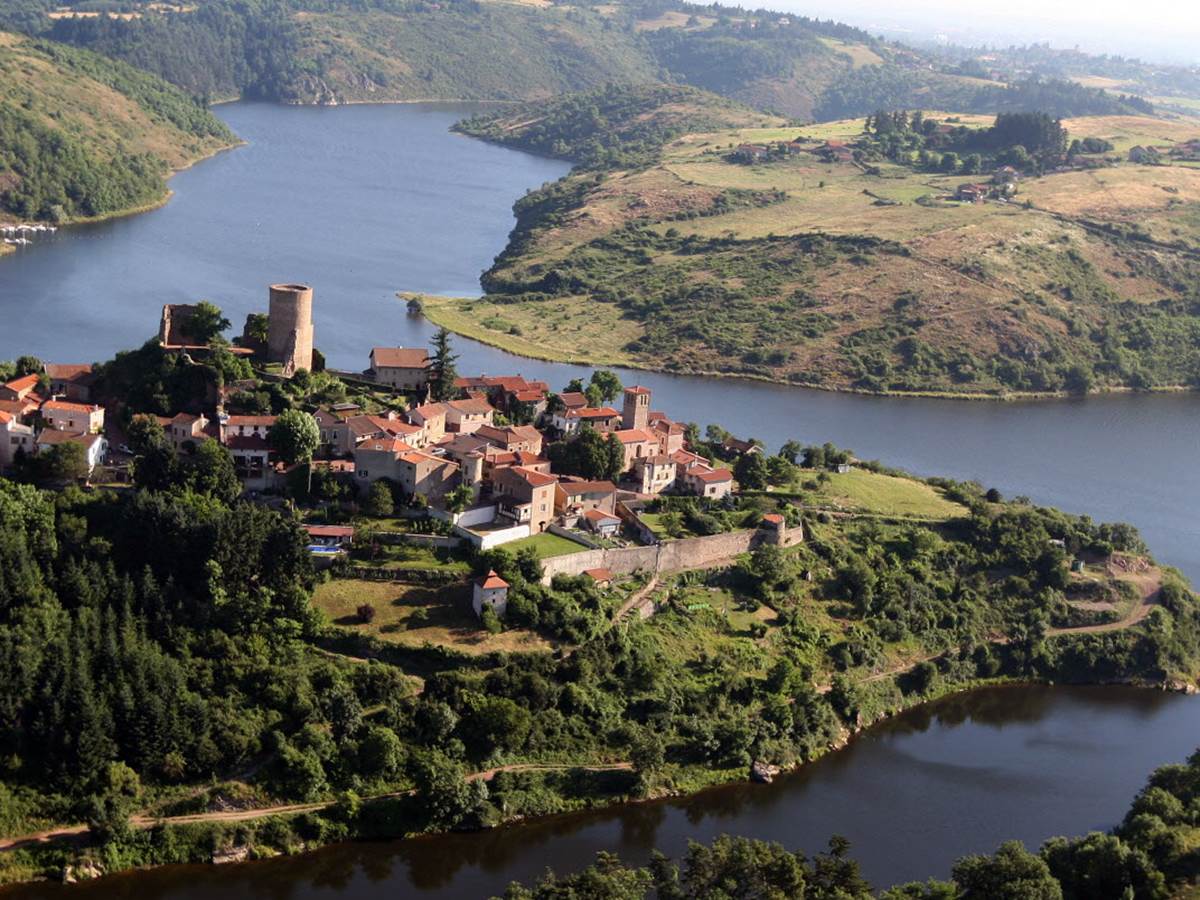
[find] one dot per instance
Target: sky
(1167, 31)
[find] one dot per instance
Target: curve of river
(955, 777)
(363, 201)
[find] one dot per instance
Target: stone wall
(672, 556)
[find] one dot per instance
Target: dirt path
(76, 832)
(1146, 579)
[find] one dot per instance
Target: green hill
(849, 265)
(83, 136)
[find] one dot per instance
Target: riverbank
(442, 312)
(243, 835)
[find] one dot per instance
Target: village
(473, 468)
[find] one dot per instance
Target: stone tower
(290, 327)
(636, 413)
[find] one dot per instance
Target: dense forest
(1147, 857)
(82, 135)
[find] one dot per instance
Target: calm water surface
(957, 777)
(364, 201)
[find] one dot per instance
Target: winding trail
(77, 832)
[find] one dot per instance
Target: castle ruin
(290, 327)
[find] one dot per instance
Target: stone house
(184, 428)
(19, 388)
(415, 471)
(525, 496)
(637, 443)
(491, 591)
(655, 474)
(80, 418)
(602, 523)
(512, 438)
(466, 416)
(573, 498)
(14, 435)
(245, 426)
(603, 419)
(431, 419)
(404, 368)
(71, 382)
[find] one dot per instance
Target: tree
(257, 325)
(211, 472)
(459, 498)
(751, 472)
(379, 500)
(27, 365)
(1012, 873)
(791, 451)
(295, 436)
(207, 322)
(365, 613)
(608, 383)
(442, 791)
(64, 462)
(114, 802)
(616, 458)
(442, 372)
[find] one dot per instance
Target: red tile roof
(24, 383)
(532, 477)
(491, 581)
(400, 357)
(250, 421)
(711, 476)
(247, 442)
(596, 515)
(474, 406)
(65, 406)
(598, 574)
(635, 435)
(67, 371)
(336, 531)
(637, 389)
(573, 399)
(588, 412)
(575, 488)
(773, 518)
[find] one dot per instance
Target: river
(364, 201)
(913, 794)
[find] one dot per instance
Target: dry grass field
(412, 616)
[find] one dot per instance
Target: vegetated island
(84, 137)
(906, 252)
(183, 685)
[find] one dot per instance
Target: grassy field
(546, 545)
(866, 491)
(412, 616)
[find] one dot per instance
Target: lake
(958, 776)
(363, 201)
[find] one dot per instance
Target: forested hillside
(82, 136)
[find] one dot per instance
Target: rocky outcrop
(763, 772)
(231, 855)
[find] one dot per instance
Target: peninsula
(292, 605)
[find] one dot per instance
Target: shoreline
(719, 779)
(530, 350)
(150, 206)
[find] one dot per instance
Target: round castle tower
(290, 327)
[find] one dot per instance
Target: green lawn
(887, 495)
(546, 545)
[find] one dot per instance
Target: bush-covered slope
(81, 135)
(613, 125)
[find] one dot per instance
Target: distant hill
(334, 51)
(832, 256)
(84, 136)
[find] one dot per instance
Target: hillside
(858, 272)
(83, 136)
